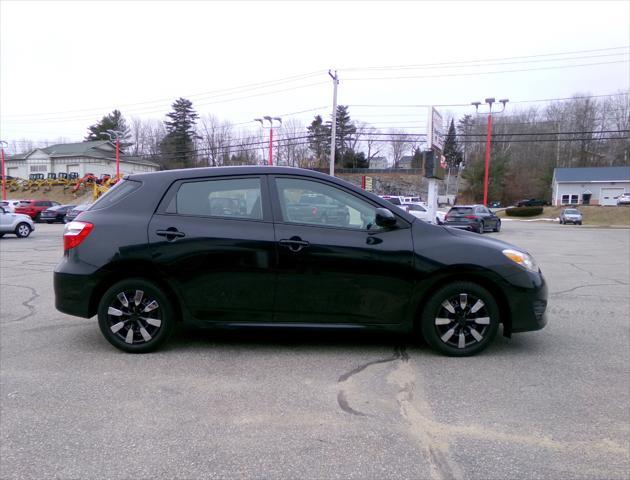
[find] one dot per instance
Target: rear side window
(231, 198)
(116, 193)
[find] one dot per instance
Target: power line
(393, 67)
(468, 74)
(251, 86)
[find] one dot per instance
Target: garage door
(609, 196)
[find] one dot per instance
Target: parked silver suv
(571, 215)
(15, 223)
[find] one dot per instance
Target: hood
(482, 240)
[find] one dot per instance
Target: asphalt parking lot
(548, 404)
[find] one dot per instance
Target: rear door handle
(294, 244)
(170, 233)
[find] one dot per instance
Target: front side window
(232, 198)
(310, 202)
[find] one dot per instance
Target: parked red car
(34, 208)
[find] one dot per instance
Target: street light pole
(270, 120)
(486, 175)
(4, 176)
(114, 135)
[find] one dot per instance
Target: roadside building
(589, 185)
(96, 157)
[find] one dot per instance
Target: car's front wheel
(135, 315)
(497, 227)
(460, 319)
(23, 230)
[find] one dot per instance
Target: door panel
(213, 241)
(357, 273)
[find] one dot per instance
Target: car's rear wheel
(460, 319)
(497, 227)
(135, 315)
(23, 230)
(480, 228)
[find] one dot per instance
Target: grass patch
(592, 215)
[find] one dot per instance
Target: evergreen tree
(345, 129)
(113, 121)
(319, 139)
(178, 145)
(451, 149)
(417, 159)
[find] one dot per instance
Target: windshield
(571, 211)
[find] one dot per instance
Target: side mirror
(384, 218)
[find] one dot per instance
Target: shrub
(523, 211)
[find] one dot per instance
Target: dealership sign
(436, 130)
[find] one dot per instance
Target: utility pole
(333, 130)
(489, 101)
(4, 176)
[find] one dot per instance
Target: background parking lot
(548, 404)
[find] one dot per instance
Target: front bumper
(528, 305)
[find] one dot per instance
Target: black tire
(37, 218)
(122, 301)
(579, 223)
(481, 228)
(560, 221)
(497, 227)
(459, 331)
(23, 230)
(49, 222)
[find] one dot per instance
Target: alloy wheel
(462, 320)
(134, 316)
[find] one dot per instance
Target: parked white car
(15, 223)
(623, 199)
(9, 205)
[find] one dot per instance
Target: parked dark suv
(154, 251)
(475, 218)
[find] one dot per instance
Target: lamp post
(262, 124)
(4, 176)
(489, 101)
(115, 135)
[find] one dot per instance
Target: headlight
(523, 259)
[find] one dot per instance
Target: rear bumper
(73, 294)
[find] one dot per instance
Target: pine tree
(178, 145)
(113, 121)
(451, 149)
(319, 139)
(345, 129)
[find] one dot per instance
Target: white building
(589, 185)
(97, 157)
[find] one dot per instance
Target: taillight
(314, 211)
(472, 217)
(75, 233)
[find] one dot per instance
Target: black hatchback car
(475, 218)
(222, 247)
(56, 213)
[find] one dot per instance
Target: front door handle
(295, 244)
(170, 233)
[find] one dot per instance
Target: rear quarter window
(115, 194)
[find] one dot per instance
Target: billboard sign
(436, 130)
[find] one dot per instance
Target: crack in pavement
(400, 353)
(31, 308)
(584, 286)
(597, 276)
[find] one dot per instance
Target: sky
(63, 65)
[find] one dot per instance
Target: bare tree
(292, 146)
(399, 144)
(215, 140)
